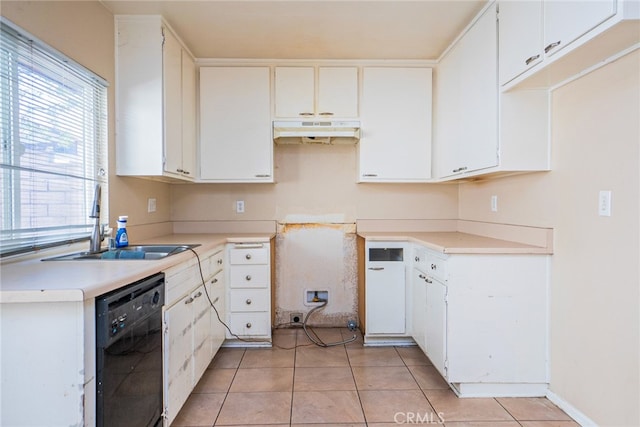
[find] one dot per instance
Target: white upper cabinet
(566, 20)
(322, 92)
(395, 143)
(520, 41)
(235, 125)
(467, 101)
(155, 101)
(545, 42)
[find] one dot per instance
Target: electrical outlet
(494, 203)
(604, 203)
(239, 206)
(151, 205)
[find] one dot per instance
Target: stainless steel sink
(134, 252)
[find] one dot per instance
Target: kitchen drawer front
(250, 324)
(420, 259)
(212, 262)
(436, 267)
(179, 281)
(249, 276)
(249, 300)
(254, 254)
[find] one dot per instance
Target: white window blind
(53, 118)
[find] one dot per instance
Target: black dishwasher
(129, 355)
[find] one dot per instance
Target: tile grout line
(355, 383)
(226, 395)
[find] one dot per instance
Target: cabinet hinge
(163, 37)
(446, 295)
(164, 414)
(165, 328)
(446, 365)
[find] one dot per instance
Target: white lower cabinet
(191, 335)
(249, 294)
(485, 320)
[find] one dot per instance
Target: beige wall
(84, 31)
(314, 180)
(595, 357)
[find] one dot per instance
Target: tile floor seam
(508, 412)
(226, 395)
(364, 414)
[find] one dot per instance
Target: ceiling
(308, 29)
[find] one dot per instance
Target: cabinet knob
(551, 46)
(248, 256)
(417, 259)
(214, 281)
(434, 267)
(248, 325)
(248, 277)
(248, 301)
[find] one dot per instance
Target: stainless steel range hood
(316, 132)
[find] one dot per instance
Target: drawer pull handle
(248, 325)
(214, 281)
(198, 295)
(189, 300)
(248, 301)
(417, 259)
(376, 268)
(220, 261)
(434, 267)
(422, 276)
(248, 277)
(460, 169)
(428, 280)
(248, 256)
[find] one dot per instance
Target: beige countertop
(33, 280)
(454, 242)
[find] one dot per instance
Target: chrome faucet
(96, 235)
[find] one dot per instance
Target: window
(53, 125)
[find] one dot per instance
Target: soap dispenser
(122, 239)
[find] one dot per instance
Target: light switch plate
(151, 205)
(604, 203)
(494, 203)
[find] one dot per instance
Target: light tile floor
(296, 383)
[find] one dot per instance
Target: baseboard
(571, 410)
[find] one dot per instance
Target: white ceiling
(308, 29)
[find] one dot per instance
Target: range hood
(316, 132)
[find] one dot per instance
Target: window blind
(53, 118)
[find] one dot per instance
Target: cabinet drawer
(213, 263)
(436, 267)
(420, 259)
(255, 254)
(249, 276)
(250, 324)
(180, 281)
(249, 300)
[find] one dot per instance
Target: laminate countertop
(30, 279)
(453, 242)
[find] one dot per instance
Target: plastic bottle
(122, 239)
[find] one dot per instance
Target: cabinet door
(436, 324)
(216, 289)
(419, 309)
(188, 115)
(566, 20)
(201, 331)
(520, 37)
(385, 298)
(235, 125)
(468, 101)
(395, 145)
(177, 350)
(337, 92)
(172, 102)
(294, 91)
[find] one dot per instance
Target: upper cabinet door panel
(337, 92)
(520, 40)
(566, 20)
(235, 125)
(172, 74)
(294, 91)
(188, 115)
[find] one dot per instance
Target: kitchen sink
(133, 252)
